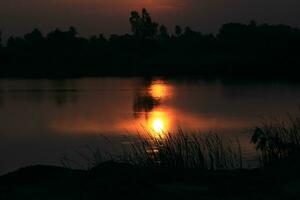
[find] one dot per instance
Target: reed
(185, 150)
(169, 150)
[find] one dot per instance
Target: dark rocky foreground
(117, 180)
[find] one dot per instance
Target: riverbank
(119, 180)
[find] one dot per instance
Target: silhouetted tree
(55, 35)
(0, 38)
(149, 27)
(188, 32)
(15, 42)
(253, 23)
(99, 40)
(63, 35)
(35, 37)
(163, 32)
(142, 26)
(72, 32)
(64, 39)
(136, 22)
(10, 42)
(178, 31)
(232, 29)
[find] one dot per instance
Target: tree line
(236, 51)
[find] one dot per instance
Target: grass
(277, 139)
(185, 150)
(171, 150)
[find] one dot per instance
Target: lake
(42, 121)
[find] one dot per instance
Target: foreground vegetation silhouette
(181, 166)
(236, 51)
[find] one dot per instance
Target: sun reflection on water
(158, 90)
(159, 123)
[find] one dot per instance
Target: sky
(91, 17)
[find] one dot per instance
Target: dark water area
(43, 120)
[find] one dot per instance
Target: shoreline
(111, 179)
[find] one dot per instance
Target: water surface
(43, 120)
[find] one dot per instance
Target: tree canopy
(238, 50)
